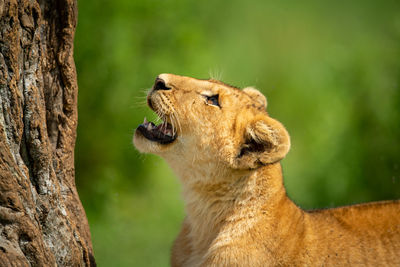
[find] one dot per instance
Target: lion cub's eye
(212, 100)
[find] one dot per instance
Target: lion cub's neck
(222, 206)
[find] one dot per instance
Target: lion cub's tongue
(164, 128)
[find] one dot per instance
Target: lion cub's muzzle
(159, 84)
(164, 132)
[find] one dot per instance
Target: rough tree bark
(42, 221)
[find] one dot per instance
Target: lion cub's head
(207, 121)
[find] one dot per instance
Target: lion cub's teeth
(145, 120)
(168, 132)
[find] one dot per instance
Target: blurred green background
(330, 70)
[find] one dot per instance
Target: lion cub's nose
(160, 85)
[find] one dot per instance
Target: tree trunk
(42, 221)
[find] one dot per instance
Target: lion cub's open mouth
(162, 133)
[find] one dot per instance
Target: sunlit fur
(238, 214)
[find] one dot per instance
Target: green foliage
(330, 70)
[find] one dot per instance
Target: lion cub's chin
(146, 146)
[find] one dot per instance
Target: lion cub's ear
(256, 95)
(266, 141)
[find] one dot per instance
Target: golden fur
(238, 214)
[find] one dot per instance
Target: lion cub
(226, 151)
